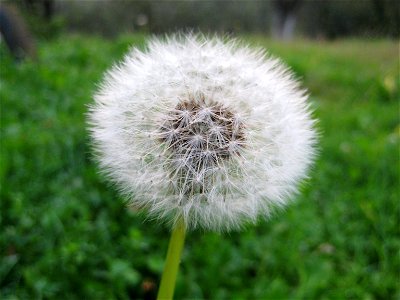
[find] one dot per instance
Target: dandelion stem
(171, 267)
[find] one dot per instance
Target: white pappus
(204, 129)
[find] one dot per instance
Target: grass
(66, 234)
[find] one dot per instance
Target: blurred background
(65, 233)
(282, 19)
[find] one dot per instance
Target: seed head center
(201, 134)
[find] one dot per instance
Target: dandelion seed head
(206, 130)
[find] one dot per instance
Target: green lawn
(66, 234)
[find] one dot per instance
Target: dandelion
(203, 133)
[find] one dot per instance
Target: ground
(66, 233)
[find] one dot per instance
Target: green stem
(175, 247)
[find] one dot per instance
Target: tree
(15, 33)
(284, 18)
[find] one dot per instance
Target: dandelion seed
(203, 130)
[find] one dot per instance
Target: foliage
(66, 234)
(333, 19)
(314, 18)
